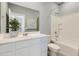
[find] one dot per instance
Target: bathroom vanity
(29, 45)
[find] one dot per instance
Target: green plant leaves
(14, 24)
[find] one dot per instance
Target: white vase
(13, 33)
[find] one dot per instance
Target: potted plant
(14, 25)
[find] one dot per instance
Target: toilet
(54, 49)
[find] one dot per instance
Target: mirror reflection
(28, 18)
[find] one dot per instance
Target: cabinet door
(44, 46)
(7, 49)
(27, 43)
(22, 52)
(29, 51)
(12, 53)
(35, 50)
(28, 47)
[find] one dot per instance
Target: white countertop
(4, 38)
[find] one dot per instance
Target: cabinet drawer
(7, 48)
(27, 43)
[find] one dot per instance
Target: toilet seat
(53, 47)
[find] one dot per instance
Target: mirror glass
(28, 18)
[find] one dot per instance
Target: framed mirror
(28, 18)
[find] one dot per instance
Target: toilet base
(53, 53)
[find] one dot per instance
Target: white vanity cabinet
(32, 47)
(25, 47)
(29, 47)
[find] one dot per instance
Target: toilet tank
(53, 38)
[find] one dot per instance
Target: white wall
(43, 8)
(70, 27)
(70, 21)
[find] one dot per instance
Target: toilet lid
(53, 46)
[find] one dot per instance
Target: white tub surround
(68, 47)
(30, 45)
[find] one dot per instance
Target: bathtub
(68, 47)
